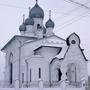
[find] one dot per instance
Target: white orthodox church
(38, 54)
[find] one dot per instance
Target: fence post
(40, 84)
(83, 84)
(16, 84)
(63, 85)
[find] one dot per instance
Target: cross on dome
(49, 14)
(23, 18)
(36, 1)
(29, 10)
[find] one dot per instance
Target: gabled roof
(47, 38)
(48, 41)
(30, 41)
(52, 41)
(14, 38)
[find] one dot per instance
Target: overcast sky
(68, 18)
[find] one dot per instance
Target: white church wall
(54, 66)
(39, 33)
(74, 55)
(36, 61)
(52, 52)
(13, 48)
(28, 47)
(49, 32)
(29, 31)
(38, 21)
(39, 62)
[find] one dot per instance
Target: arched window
(11, 71)
(30, 75)
(59, 74)
(37, 51)
(11, 68)
(39, 72)
(22, 77)
(38, 26)
(10, 58)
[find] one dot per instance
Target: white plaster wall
(49, 53)
(43, 60)
(56, 64)
(46, 55)
(13, 48)
(39, 33)
(76, 56)
(49, 32)
(22, 32)
(29, 30)
(37, 21)
(27, 48)
(39, 62)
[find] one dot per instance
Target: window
(73, 42)
(37, 52)
(11, 70)
(59, 74)
(39, 72)
(30, 75)
(38, 26)
(59, 51)
(22, 77)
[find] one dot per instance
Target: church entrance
(59, 74)
(55, 72)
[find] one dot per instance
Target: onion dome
(37, 11)
(22, 27)
(29, 21)
(49, 24)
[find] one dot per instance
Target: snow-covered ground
(40, 89)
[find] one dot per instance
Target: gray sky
(68, 18)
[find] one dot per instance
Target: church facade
(38, 54)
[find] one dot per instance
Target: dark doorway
(59, 74)
(11, 69)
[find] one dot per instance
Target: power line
(75, 9)
(27, 8)
(14, 6)
(71, 11)
(80, 4)
(71, 20)
(64, 25)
